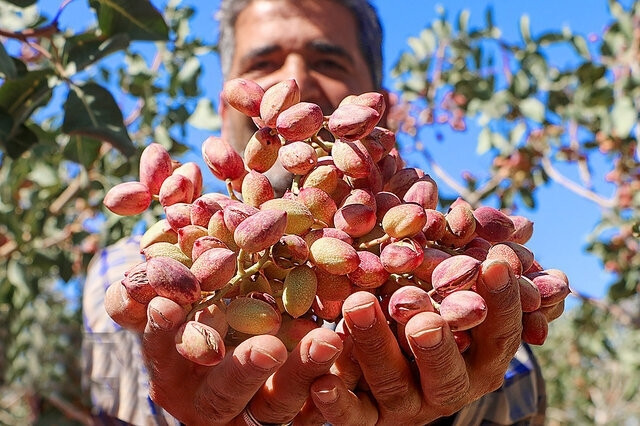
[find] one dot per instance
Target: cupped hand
(439, 381)
(258, 373)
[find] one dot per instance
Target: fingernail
(496, 276)
(327, 396)
(159, 321)
(262, 359)
(363, 316)
(321, 352)
(429, 338)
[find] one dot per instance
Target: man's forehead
(286, 23)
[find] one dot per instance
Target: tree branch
(606, 203)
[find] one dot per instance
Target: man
(332, 49)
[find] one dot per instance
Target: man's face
(313, 42)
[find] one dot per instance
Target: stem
(325, 145)
(230, 191)
(295, 184)
(240, 261)
(219, 294)
(320, 223)
(372, 243)
(442, 174)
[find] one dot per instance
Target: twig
(69, 409)
(606, 203)
(66, 195)
(615, 310)
(442, 174)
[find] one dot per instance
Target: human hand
(441, 380)
(257, 374)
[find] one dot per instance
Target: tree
(57, 161)
(65, 103)
(537, 115)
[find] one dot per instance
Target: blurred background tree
(78, 106)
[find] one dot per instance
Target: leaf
(82, 150)
(25, 93)
(463, 21)
(623, 116)
(84, 49)
(21, 140)
(91, 111)
(589, 73)
(21, 3)
(205, 117)
(44, 175)
(484, 141)
(525, 28)
(532, 108)
(7, 66)
(550, 37)
(139, 19)
(580, 44)
(488, 17)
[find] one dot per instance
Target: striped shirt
(113, 369)
(117, 379)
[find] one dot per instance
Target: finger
(443, 371)
(340, 406)
(346, 366)
(167, 368)
(229, 386)
(123, 309)
(285, 392)
(383, 365)
(496, 340)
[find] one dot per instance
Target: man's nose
(297, 68)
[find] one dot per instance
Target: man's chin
(280, 179)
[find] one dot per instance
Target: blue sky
(563, 220)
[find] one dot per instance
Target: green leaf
(91, 111)
(580, 44)
(484, 141)
(624, 116)
(589, 73)
(43, 174)
(550, 37)
(21, 140)
(84, 49)
(463, 21)
(139, 19)
(82, 150)
(7, 66)
(21, 3)
(205, 116)
(532, 108)
(20, 96)
(525, 28)
(488, 17)
(15, 139)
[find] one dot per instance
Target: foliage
(64, 104)
(537, 115)
(593, 376)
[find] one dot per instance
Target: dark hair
(366, 16)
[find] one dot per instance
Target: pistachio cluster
(354, 219)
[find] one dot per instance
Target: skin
(276, 40)
(446, 380)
